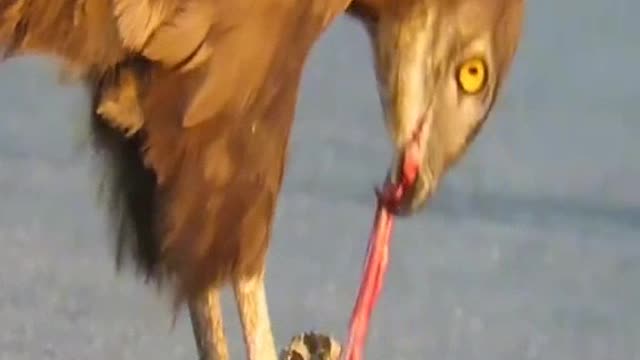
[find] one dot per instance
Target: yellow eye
(472, 75)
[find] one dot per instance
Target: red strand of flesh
(377, 257)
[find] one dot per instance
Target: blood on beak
(409, 174)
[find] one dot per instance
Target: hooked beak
(412, 125)
(413, 153)
(410, 91)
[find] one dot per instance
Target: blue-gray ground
(531, 250)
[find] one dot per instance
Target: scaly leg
(208, 327)
(251, 300)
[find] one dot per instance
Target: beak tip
(413, 200)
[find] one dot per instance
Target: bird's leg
(251, 300)
(208, 327)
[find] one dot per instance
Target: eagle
(193, 103)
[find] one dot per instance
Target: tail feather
(129, 188)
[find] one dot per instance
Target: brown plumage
(200, 97)
(194, 101)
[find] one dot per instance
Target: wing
(94, 36)
(198, 204)
(80, 32)
(97, 34)
(194, 193)
(101, 38)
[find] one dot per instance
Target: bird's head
(439, 63)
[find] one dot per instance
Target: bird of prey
(194, 102)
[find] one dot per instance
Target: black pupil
(473, 70)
